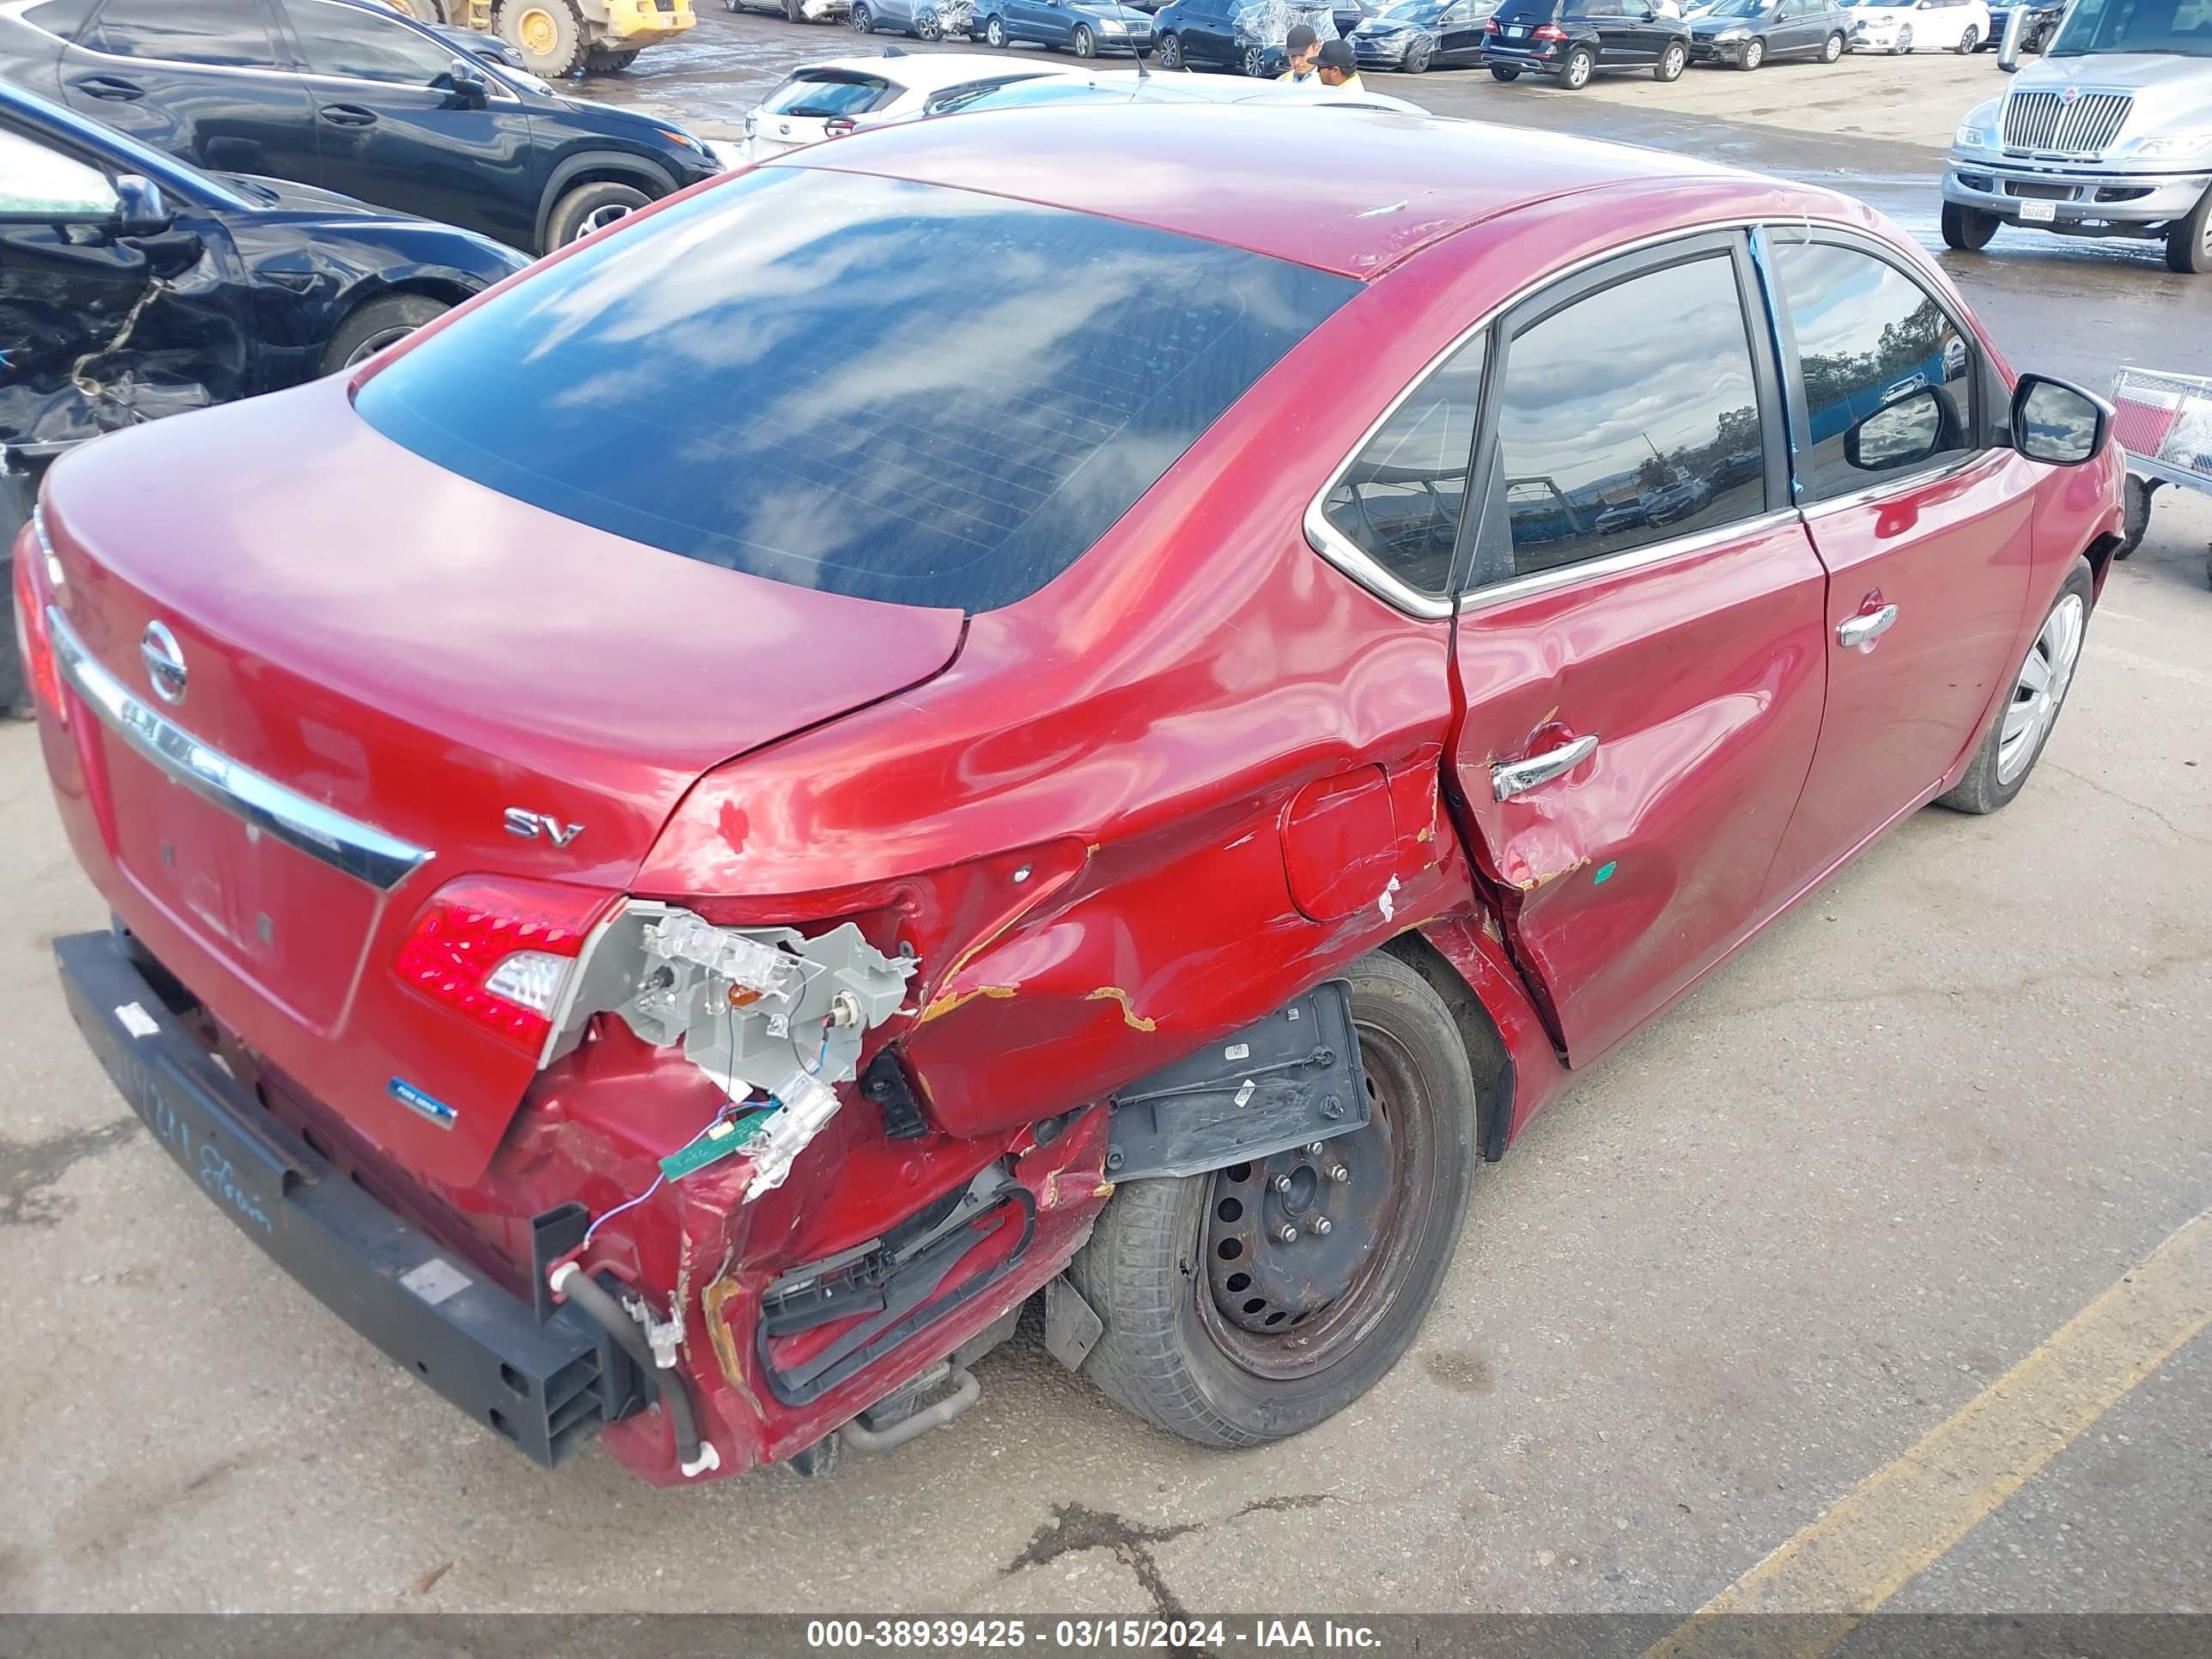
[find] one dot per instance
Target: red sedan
(981, 710)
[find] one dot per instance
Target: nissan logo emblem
(165, 663)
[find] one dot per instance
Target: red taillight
(1491, 27)
(499, 953)
(35, 645)
(1548, 32)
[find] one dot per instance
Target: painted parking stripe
(1903, 1518)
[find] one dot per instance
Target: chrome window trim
(357, 849)
(1361, 567)
(1633, 558)
(1954, 461)
(500, 93)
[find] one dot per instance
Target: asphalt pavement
(1773, 1307)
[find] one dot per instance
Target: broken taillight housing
(34, 642)
(499, 952)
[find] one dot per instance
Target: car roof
(925, 71)
(1353, 192)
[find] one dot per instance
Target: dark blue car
(1085, 28)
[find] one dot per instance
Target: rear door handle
(1512, 778)
(349, 115)
(108, 87)
(1860, 632)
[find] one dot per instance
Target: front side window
(222, 33)
(887, 390)
(819, 97)
(38, 184)
(62, 17)
(1884, 377)
(354, 42)
(1627, 418)
(1401, 499)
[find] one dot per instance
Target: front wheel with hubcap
(1170, 53)
(2188, 240)
(1753, 54)
(1968, 41)
(1832, 50)
(1577, 73)
(1252, 1303)
(1082, 44)
(376, 325)
(1968, 230)
(591, 207)
(1672, 62)
(1255, 62)
(863, 20)
(2025, 720)
(928, 26)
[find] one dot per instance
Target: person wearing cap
(1338, 68)
(1300, 47)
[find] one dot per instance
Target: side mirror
(2008, 48)
(139, 210)
(470, 89)
(2059, 423)
(1900, 433)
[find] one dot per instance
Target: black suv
(353, 98)
(1572, 39)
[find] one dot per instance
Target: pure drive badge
(413, 1098)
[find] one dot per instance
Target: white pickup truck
(2108, 134)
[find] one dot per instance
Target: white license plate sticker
(435, 1280)
(1516, 31)
(136, 1020)
(2039, 213)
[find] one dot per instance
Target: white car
(1901, 25)
(831, 97)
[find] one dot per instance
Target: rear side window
(216, 32)
(1401, 499)
(357, 42)
(824, 96)
(1613, 434)
(894, 391)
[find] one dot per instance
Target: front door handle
(1860, 632)
(112, 90)
(349, 115)
(1512, 778)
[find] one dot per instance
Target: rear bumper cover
(541, 1386)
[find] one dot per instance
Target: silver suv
(2110, 134)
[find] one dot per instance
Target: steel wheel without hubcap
(536, 32)
(2041, 687)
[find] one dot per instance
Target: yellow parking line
(1903, 1518)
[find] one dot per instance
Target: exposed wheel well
(2100, 553)
(1486, 1050)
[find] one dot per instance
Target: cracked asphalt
(1752, 1258)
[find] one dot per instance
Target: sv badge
(541, 826)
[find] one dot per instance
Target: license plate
(2039, 213)
(1517, 32)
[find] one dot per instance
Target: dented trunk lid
(421, 658)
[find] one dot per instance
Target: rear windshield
(894, 391)
(827, 95)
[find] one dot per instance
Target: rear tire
(1255, 62)
(1173, 1354)
(994, 33)
(1504, 72)
(591, 207)
(1968, 230)
(2029, 712)
(2189, 242)
(608, 62)
(1672, 62)
(547, 32)
(928, 26)
(1170, 53)
(1754, 54)
(791, 14)
(1970, 42)
(1575, 74)
(370, 328)
(1832, 51)
(1904, 41)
